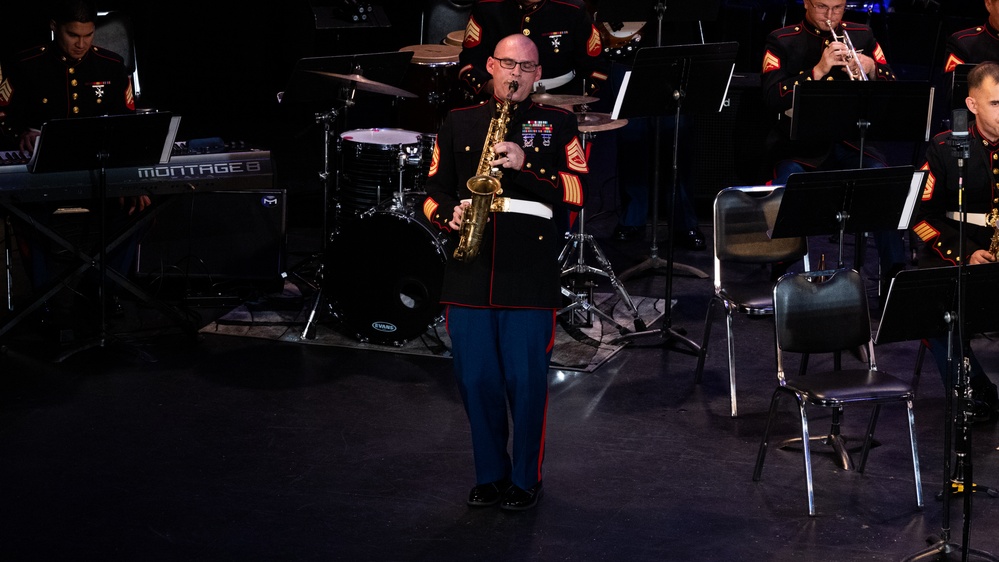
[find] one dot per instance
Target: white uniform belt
(973, 218)
(552, 83)
(507, 205)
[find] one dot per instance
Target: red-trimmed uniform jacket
(789, 56)
(940, 234)
(517, 265)
(562, 30)
(971, 46)
(45, 84)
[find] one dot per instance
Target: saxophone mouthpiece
(514, 85)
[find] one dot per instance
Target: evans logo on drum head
(383, 326)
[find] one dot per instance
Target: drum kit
(396, 260)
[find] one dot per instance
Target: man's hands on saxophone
(509, 155)
(980, 256)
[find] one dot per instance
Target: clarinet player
(501, 305)
(938, 217)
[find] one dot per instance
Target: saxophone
(484, 185)
(993, 220)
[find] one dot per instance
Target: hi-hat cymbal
(366, 84)
(562, 100)
(596, 122)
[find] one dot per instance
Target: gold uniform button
(99, 100)
(995, 170)
(949, 252)
(995, 156)
(45, 100)
(76, 109)
(541, 238)
(527, 19)
(536, 149)
(76, 95)
(72, 70)
(528, 165)
(468, 148)
(73, 82)
(541, 171)
(556, 50)
(527, 32)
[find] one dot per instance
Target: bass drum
(384, 274)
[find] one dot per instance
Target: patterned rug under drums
(581, 344)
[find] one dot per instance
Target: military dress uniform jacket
(517, 265)
(971, 46)
(791, 53)
(60, 87)
(940, 234)
(562, 29)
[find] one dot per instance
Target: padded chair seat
(851, 385)
(749, 299)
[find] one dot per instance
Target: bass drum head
(384, 274)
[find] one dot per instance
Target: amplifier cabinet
(218, 237)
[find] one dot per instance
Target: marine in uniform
(938, 216)
(808, 51)
(47, 84)
(501, 305)
(976, 44)
(568, 43)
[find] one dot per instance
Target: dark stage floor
(230, 448)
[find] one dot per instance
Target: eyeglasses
(510, 64)
(825, 9)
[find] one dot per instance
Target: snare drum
(384, 274)
(433, 77)
(370, 170)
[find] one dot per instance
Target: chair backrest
(742, 216)
(443, 17)
(114, 32)
(821, 312)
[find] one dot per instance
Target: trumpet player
(816, 49)
(501, 306)
(938, 218)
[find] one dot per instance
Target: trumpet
(852, 57)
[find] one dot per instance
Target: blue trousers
(501, 361)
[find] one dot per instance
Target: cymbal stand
(316, 282)
(576, 243)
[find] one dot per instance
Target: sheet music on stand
(141, 139)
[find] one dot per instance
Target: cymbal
(366, 84)
(596, 122)
(562, 100)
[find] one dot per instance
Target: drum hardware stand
(578, 243)
(316, 282)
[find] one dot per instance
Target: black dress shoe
(626, 233)
(692, 240)
(517, 499)
(485, 495)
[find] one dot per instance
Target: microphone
(959, 141)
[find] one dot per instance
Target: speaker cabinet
(217, 239)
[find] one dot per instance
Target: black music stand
(865, 110)
(923, 303)
(664, 81)
(95, 144)
(836, 201)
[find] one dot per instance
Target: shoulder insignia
(952, 62)
(576, 157)
(435, 160)
(879, 55)
(473, 34)
(770, 62)
(593, 46)
(931, 182)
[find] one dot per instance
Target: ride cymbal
(366, 84)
